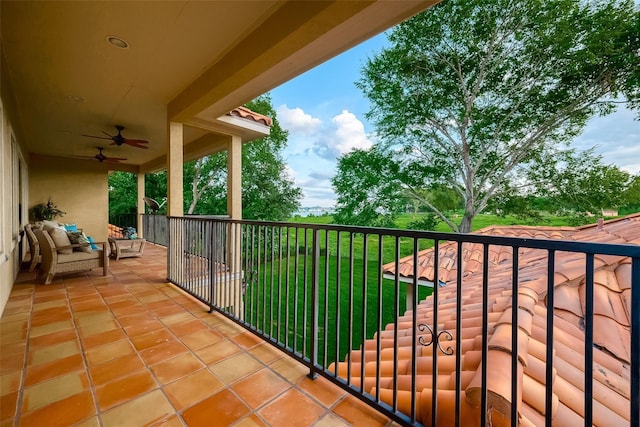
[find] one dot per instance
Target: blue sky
(325, 115)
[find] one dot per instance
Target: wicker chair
(54, 263)
(34, 247)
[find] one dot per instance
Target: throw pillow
(78, 238)
(71, 227)
(94, 247)
(60, 238)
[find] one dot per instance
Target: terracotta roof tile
(246, 113)
(114, 231)
(611, 354)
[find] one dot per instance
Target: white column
(234, 210)
(175, 204)
(234, 177)
(140, 204)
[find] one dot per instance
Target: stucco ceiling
(188, 61)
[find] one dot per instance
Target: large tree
(204, 181)
(123, 191)
(268, 193)
(579, 181)
(470, 91)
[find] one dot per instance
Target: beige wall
(77, 187)
(14, 179)
(6, 254)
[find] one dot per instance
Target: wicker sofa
(34, 247)
(54, 262)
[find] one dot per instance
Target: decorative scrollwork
(435, 337)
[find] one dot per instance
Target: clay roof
(472, 252)
(114, 231)
(611, 325)
(246, 113)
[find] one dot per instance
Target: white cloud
(350, 133)
(313, 147)
(295, 120)
(615, 137)
(289, 172)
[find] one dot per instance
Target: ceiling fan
(102, 158)
(119, 139)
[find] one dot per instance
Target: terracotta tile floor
(130, 349)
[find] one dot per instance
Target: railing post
(315, 277)
(211, 239)
(635, 341)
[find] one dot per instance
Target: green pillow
(78, 238)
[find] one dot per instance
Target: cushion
(78, 238)
(49, 225)
(60, 238)
(71, 227)
(78, 256)
(94, 247)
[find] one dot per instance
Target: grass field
(350, 309)
(480, 221)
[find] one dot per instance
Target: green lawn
(279, 299)
(480, 221)
(341, 304)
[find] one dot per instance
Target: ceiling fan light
(118, 42)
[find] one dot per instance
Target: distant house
(611, 332)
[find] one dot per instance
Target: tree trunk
(193, 204)
(465, 224)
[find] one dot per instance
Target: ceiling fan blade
(114, 159)
(84, 157)
(110, 136)
(97, 137)
(134, 143)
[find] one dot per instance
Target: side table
(126, 248)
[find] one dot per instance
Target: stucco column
(140, 204)
(234, 210)
(234, 177)
(175, 205)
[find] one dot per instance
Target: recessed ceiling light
(117, 42)
(77, 99)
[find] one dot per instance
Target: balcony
(358, 306)
(132, 349)
(261, 319)
(228, 323)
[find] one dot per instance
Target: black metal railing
(155, 229)
(124, 220)
(318, 293)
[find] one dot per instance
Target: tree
(123, 193)
(123, 190)
(202, 176)
(469, 92)
(367, 188)
(632, 197)
(579, 182)
(268, 193)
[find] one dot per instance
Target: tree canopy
(469, 93)
(268, 193)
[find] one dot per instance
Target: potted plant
(45, 211)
